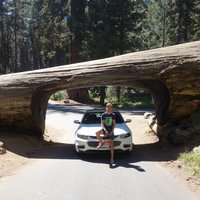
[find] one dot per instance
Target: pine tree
(76, 25)
(50, 34)
(2, 39)
(40, 33)
(113, 28)
(181, 20)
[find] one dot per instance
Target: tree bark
(102, 90)
(171, 74)
(15, 36)
(77, 9)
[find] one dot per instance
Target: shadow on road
(31, 147)
(81, 108)
(50, 150)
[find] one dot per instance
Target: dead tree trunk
(171, 74)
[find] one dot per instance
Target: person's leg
(101, 141)
(111, 142)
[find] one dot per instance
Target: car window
(95, 118)
(92, 118)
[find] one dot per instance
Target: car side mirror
(128, 121)
(77, 122)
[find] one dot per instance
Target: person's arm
(103, 122)
(113, 127)
(113, 123)
(103, 125)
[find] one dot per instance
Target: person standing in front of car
(108, 120)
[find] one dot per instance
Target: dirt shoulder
(164, 156)
(20, 150)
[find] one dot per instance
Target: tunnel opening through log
(157, 89)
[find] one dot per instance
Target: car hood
(91, 129)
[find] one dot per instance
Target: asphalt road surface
(59, 174)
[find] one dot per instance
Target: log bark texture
(171, 74)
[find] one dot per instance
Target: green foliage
(156, 24)
(94, 92)
(129, 97)
(183, 20)
(37, 33)
(113, 28)
(192, 161)
(58, 96)
(50, 32)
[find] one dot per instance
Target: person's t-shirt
(108, 120)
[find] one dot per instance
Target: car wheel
(77, 153)
(130, 150)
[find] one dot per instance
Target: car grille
(103, 137)
(95, 144)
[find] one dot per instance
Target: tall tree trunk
(118, 91)
(35, 54)
(164, 24)
(122, 46)
(77, 11)
(102, 94)
(1, 38)
(15, 36)
(186, 22)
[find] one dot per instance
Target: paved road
(58, 174)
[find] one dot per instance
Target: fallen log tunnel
(171, 74)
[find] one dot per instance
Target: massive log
(171, 74)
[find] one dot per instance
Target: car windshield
(95, 118)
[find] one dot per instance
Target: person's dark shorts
(110, 136)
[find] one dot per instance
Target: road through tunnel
(157, 89)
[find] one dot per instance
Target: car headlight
(84, 137)
(125, 135)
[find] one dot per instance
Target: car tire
(77, 153)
